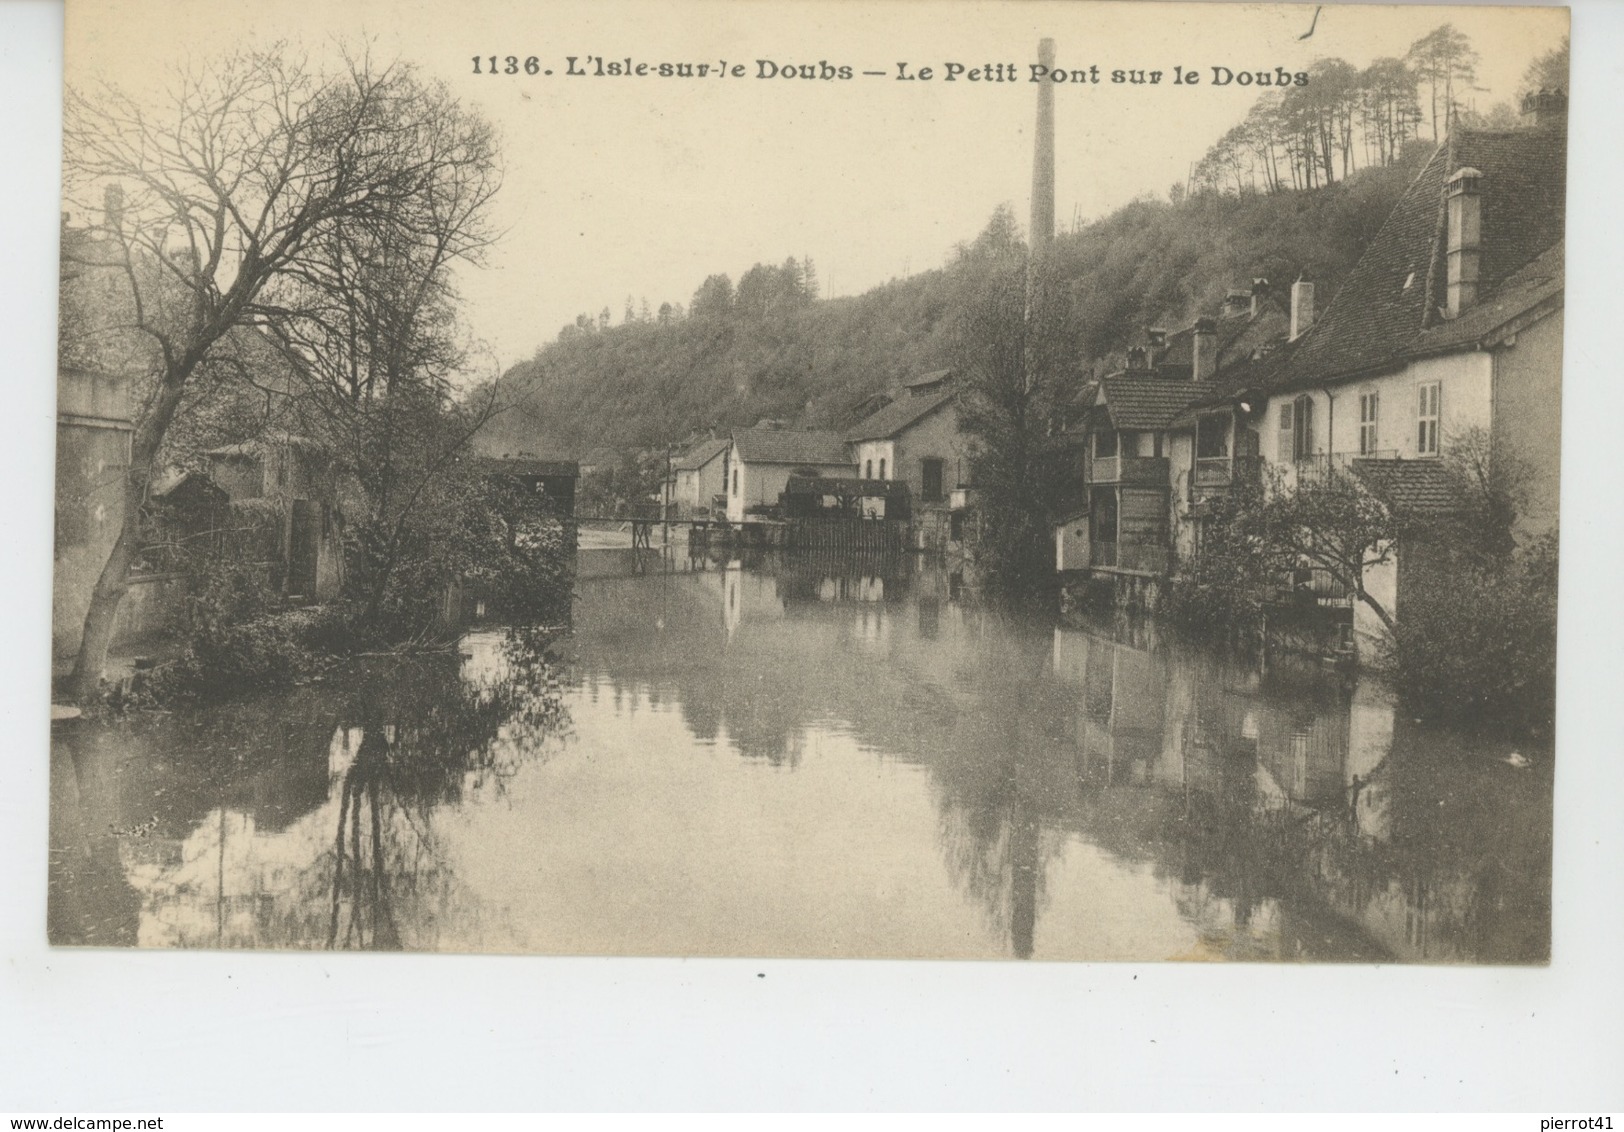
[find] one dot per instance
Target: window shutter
(1305, 426)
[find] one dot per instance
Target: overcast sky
(643, 186)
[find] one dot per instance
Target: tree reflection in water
(425, 733)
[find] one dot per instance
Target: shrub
(1477, 639)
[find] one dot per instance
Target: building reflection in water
(881, 758)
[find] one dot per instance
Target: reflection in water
(810, 756)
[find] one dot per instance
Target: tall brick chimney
(1042, 227)
(1463, 198)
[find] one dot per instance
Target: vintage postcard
(919, 480)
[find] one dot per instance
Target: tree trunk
(1376, 607)
(113, 582)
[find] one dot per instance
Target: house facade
(915, 440)
(1445, 340)
(1128, 459)
(291, 476)
(758, 463)
(697, 485)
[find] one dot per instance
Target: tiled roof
(700, 455)
(1411, 487)
(1147, 402)
(789, 446)
(899, 414)
(1237, 335)
(1527, 288)
(1396, 288)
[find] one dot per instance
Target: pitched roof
(1146, 402)
(789, 446)
(1411, 487)
(1528, 288)
(700, 455)
(899, 414)
(1395, 290)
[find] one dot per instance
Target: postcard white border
(101, 1030)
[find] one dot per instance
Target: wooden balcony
(1217, 472)
(1128, 471)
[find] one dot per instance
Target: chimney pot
(1464, 221)
(1545, 109)
(1302, 308)
(1204, 350)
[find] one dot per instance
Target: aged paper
(917, 480)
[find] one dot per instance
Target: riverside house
(759, 461)
(915, 440)
(1128, 454)
(1447, 333)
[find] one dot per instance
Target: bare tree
(232, 188)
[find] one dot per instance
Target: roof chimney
(1464, 197)
(1042, 228)
(1302, 308)
(1545, 109)
(1203, 349)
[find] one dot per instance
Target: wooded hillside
(769, 348)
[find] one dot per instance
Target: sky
(643, 186)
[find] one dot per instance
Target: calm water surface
(788, 758)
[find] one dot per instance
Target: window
(1368, 406)
(1105, 445)
(735, 481)
(868, 470)
(1426, 431)
(1305, 427)
(882, 467)
(1212, 437)
(930, 475)
(1297, 429)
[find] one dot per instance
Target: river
(807, 758)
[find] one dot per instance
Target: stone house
(915, 440)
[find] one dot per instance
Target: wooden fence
(857, 536)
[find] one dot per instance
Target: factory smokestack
(1042, 229)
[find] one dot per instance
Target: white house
(1449, 326)
(759, 461)
(697, 479)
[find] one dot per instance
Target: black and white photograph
(934, 481)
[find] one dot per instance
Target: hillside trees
(1445, 60)
(231, 188)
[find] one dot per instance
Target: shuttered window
(1427, 416)
(1288, 445)
(1368, 406)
